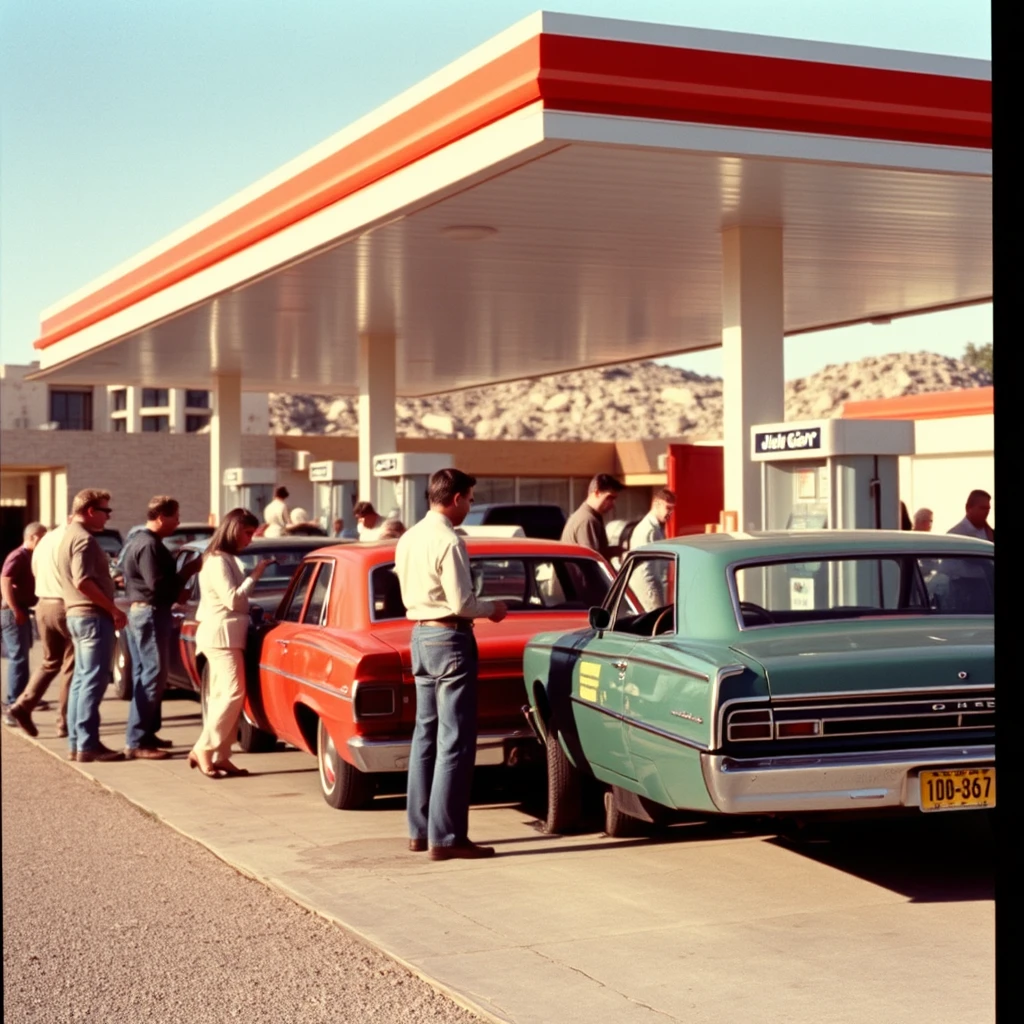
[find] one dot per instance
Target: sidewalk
(695, 926)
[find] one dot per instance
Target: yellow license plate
(957, 788)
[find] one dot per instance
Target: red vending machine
(696, 474)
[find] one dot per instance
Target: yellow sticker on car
(590, 678)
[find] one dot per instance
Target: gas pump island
(402, 482)
(335, 491)
(251, 488)
(831, 474)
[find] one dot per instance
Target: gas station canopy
(556, 199)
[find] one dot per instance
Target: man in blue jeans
(437, 589)
(152, 586)
(17, 596)
(92, 617)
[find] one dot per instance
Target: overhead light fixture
(468, 232)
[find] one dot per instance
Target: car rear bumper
(392, 755)
(831, 782)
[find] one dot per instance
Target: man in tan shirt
(433, 572)
(92, 617)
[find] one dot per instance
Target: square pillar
(754, 389)
(376, 408)
(225, 439)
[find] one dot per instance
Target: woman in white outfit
(223, 618)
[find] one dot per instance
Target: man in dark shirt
(586, 525)
(152, 586)
(18, 591)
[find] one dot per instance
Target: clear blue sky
(121, 120)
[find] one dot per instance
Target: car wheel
(254, 740)
(345, 787)
(618, 824)
(565, 789)
(121, 669)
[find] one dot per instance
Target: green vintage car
(787, 673)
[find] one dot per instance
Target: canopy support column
(754, 388)
(376, 410)
(225, 439)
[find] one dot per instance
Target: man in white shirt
(647, 581)
(58, 650)
(277, 515)
(975, 523)
(433, 572)
(370, 523)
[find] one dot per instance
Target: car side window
(651, 582)
(500, 579)
(316, 609)
(192, 587)
(291, 607)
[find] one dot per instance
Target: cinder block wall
(133, 467)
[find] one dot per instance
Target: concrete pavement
(894, 923)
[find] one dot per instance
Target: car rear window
(525, 584)
(844, 588)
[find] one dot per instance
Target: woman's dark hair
(446, 483)
(906, 523)
(225, 537)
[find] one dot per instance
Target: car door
(600, 678)
(283, 659)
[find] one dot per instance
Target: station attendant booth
(335, 492)
(402, 482)
(828, 475)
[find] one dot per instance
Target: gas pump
(402, 481)
(335, 491)
(828, 475)
(831, 474)
(250, 488)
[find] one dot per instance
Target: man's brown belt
(451, 622)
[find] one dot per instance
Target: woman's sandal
(211, 772)
(230, 769)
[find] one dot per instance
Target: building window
(119, 424)
(193, 424)
(197, 399)
(119, 397)
(71, 410)
(156, 424)
(154, 398)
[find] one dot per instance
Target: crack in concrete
(601, 984)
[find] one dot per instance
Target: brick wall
(133, 467)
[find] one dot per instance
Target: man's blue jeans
(17, 643)
(93, 637)
(148, 633)
(444, 663)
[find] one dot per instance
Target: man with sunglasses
(92, 616)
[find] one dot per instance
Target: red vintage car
(330, 672)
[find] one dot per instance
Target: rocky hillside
(632, 401)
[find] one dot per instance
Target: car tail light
(750, 725)
(794, 730)
(374, 701)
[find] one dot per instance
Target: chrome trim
(769, 722)
(392, 755)
(723, 673)
(305, 682)
(871, 694)
(642, 726)
(830, 782)
(653, 663)
(647, 553)
(719, 720)
(730, 579)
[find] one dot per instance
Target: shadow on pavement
(929, 859)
